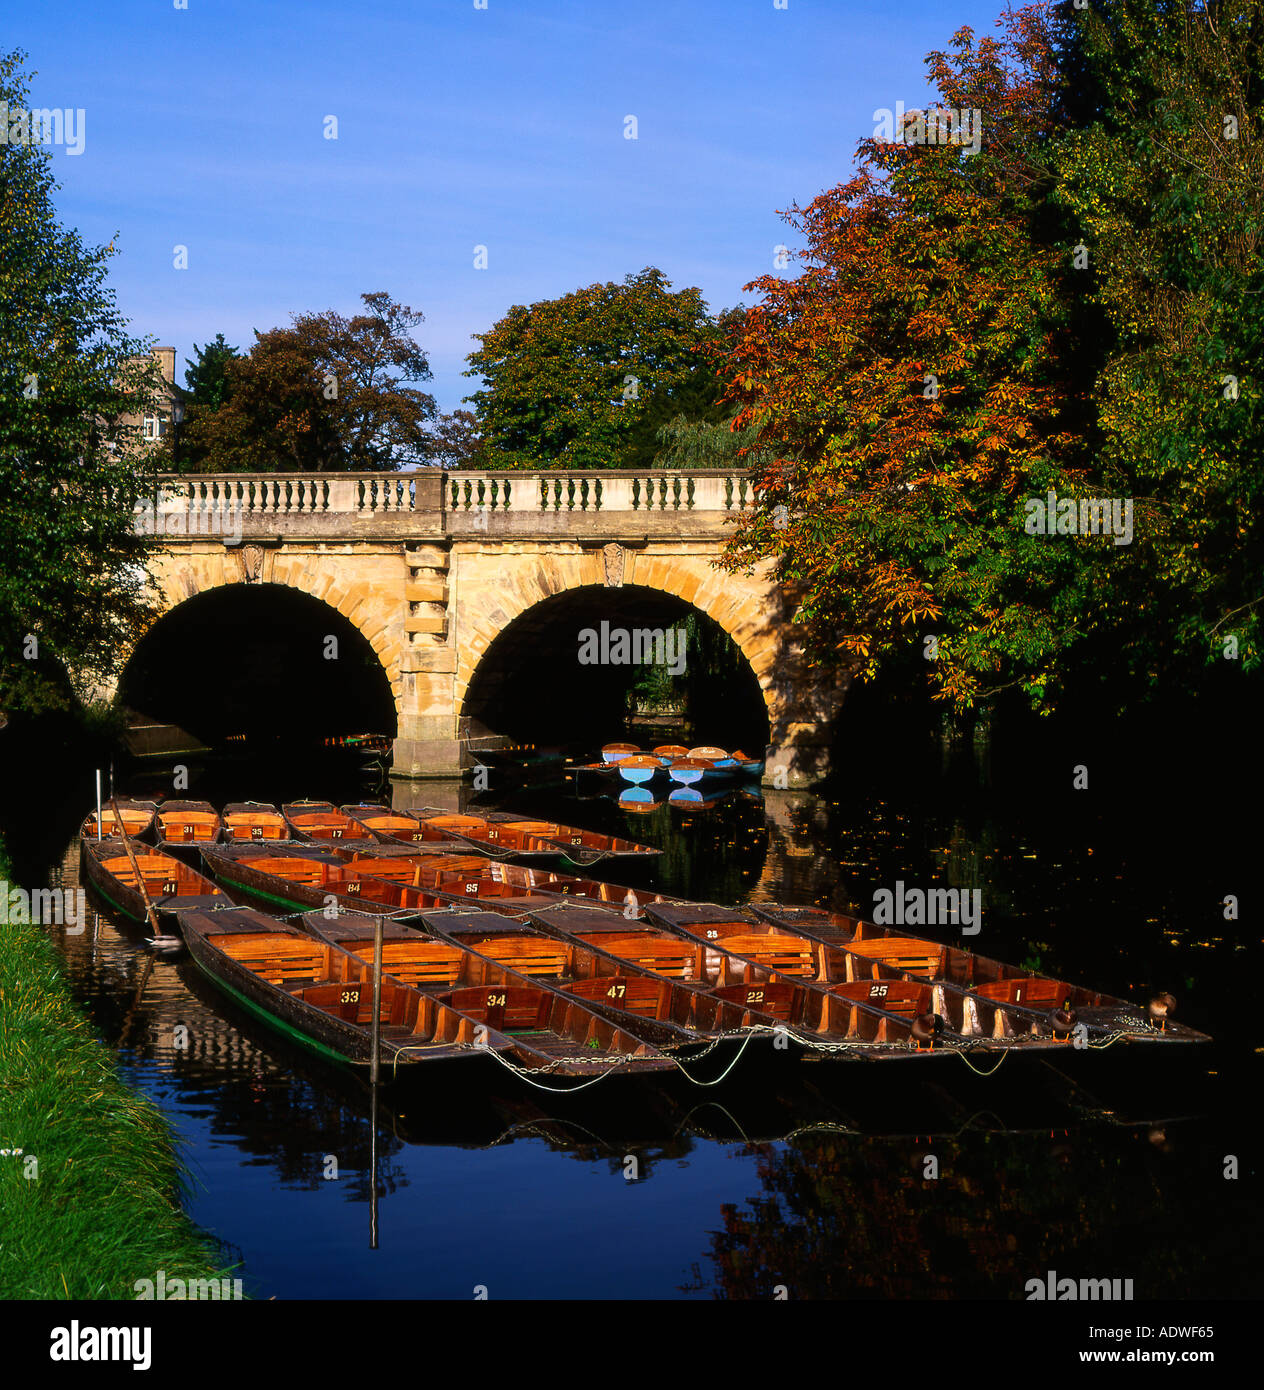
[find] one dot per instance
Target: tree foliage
(586, 380)
(1075, 309)
(326, 393)
(71, 593)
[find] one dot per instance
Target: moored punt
(170, 883)
(138, 820)
(743, 993)
(616, 752)
(506, 832)
(549, 1027)
(668, 752)
(473, 878)
(322, 996)
(253, 821)
(655, 1009)
(320, 821)
(907, 1003)
(880, 952)
(689, 770)
(382, 823)
(187, 822)
(296, 877)
(717, 757)
(639, 768)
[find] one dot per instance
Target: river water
(814, 1180)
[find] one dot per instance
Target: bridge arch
(212, 625)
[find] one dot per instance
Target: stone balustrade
(457, 503)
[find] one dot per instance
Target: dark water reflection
(813, 1178)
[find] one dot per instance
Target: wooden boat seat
(133, 822)
(645, 998)
(353, 1003)
(255, 826)
(280, 959)
(789, 954)
(1026, 990)
(528, 955)
(774, 998)
(663, 956)
(903, 997)
(505, 1008)
(415, 963)
(162, 877)
(910, 953)
(189, 825)
(293, 870)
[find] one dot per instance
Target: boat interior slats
(1029, 990)
(526, 955)
(634, 994)
(789, 954)
(662, 956)
(506, 1008)
(414, 962)
(775, 998)
(901, 997)
(910, 953)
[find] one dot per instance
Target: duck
(1161, 1008)
(1064, 1018)
(927, 1028)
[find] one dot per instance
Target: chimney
(167, 360)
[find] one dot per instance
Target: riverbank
(90, 1185)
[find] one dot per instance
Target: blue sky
(457, 127)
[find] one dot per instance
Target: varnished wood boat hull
(172, 888)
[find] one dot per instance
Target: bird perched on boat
(1064, 1019)
(1162, 1007)
(927, 1028)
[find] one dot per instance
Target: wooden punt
(642, 947)
(382, 823)
(170, 883)
(473, 878)
(666, 752)
(253, 821)
(507, 832)
(877, 952)
(187, 822)
(138, 820)
(297, 877)
(321, 996)
(518, 987)
(838, 999)
(321, 821)
(302, 876)
(656, 1008)
(717, 757)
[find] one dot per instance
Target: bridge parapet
(458, 502)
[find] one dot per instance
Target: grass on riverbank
(91, 1204)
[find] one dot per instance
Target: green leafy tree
(1164, 180)
(329, 392)
(71, 593)
(585, 380)
(206, 378)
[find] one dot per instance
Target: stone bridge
(436, 568)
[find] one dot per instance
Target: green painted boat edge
(258, 1011)
(251, 891)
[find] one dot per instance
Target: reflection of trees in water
(855, 1219)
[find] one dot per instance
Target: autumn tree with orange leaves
(913, 383)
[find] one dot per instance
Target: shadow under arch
(258, 660)
(530, 684)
